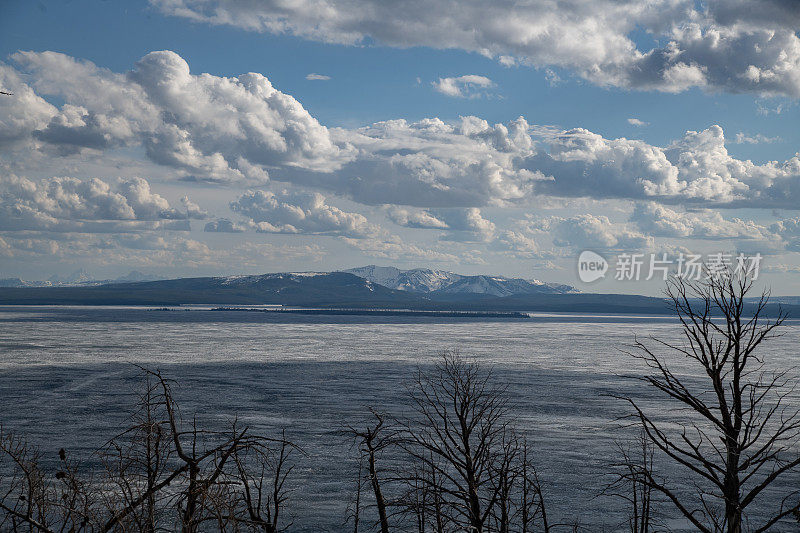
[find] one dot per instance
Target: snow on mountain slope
(386, 276)
(426, 280)
(415, 280)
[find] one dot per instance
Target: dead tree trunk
(372, 440)
(739, 438)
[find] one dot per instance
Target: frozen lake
(67, 380)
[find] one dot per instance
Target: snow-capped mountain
(416, 280)
(426, 280)
(77, 277)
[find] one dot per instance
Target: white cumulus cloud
(224, 225)
(306, 213)
(211, 128)
(586, 231)
(89, 206)
(662, 221)
(758, 138)
(416, 218)
(694, 169)
(461, 224)
(467, 86)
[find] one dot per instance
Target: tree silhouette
(727, 426)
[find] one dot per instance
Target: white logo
(591, 266)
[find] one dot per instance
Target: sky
(208, 137)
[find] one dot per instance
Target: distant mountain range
(368, 287)
(364, 287)
(79, 278)
(291, 289)
(418, 280)
(428, 281)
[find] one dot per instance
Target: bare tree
(475, 471)
(423, 498)
(138, 458)
(630, 483)
(30, 499)
(731, 432)
(532, 508)
(157, 477)
(353, 511)
(461, 417)
(264, 494)
(372, 441)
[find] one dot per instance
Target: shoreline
(380, 312)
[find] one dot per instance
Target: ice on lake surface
(68, 380)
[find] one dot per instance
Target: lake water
(67, 379)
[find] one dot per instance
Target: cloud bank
(89, 206)
(430, 174)
(728, 45)
(243, 131)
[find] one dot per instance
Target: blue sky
(332, 185)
